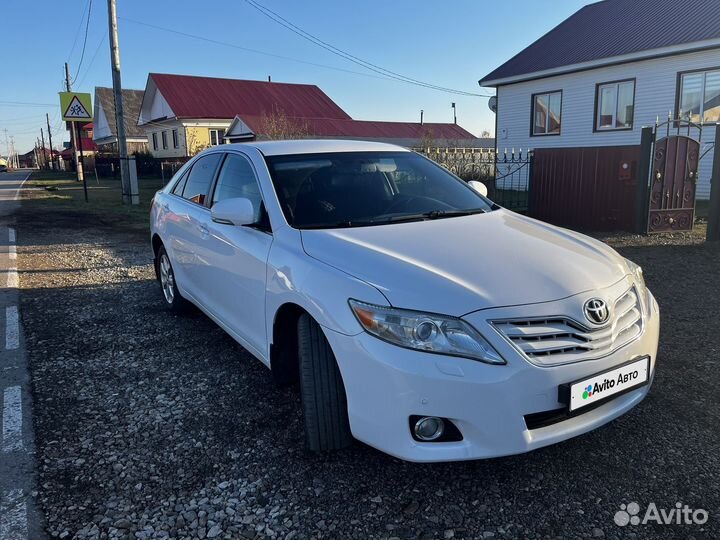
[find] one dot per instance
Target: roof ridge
(229, 79)
(623, 29)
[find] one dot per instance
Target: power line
(247, 49)
(28, 104)
(92, 60)
(87, 27)
(77, 34)
(272, 15)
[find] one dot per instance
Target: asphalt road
(19, 518)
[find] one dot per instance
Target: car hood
(463, 264)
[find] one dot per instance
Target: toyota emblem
(596, 311)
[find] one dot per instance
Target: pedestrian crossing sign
(76, 107)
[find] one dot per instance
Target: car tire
(168, 285)
(323, 393)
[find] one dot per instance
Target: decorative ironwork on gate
(673, 176)
(506, 174)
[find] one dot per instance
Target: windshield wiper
(438, 214)
(434, 214)
(421, 216)
(337, 225)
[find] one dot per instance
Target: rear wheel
(323, 393)
(166, 277)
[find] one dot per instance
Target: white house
(610, 69)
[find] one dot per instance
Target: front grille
(559, 340)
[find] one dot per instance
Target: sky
(451, 43)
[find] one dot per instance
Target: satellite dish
(492, 104)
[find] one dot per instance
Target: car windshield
(357, 189)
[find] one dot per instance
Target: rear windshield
(349, 189)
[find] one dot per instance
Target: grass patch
(104, 206)
(51, 176)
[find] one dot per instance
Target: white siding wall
(655, 88)
(101, 129)
(167, 126)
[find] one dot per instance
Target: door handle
(204, 231)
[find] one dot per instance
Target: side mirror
(479, 187)
(237, 211)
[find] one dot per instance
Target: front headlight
(427, 332)
(639, 279)
(637, 273)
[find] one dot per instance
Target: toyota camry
(417, 316)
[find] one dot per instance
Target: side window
(180, 185)
(546, 113)
(237, 179)
(200, 177)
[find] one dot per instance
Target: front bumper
(386, 384)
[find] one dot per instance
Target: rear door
(236, 266)
(190, 227)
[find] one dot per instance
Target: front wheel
(323, 393)
(166, 276)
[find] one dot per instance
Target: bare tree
(277, 125)
(192, 145)
(427, 139)
(485, 134)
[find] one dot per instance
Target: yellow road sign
(76, 107)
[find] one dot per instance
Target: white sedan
(418, 316)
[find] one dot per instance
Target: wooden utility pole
(129, 182)
(713, 227)
(73, 134)
(45, 159)
(52, 158)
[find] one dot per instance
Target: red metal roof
(329, 127)
(208, 97)
(88, 145)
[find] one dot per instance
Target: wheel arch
(156, 243)
(284, 356)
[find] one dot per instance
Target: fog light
(429, 428)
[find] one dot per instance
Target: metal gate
(673, 179)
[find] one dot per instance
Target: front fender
(321, 290)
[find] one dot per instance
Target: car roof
(317, 146)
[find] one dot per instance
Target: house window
(546, 113)
(615, 105)
(154, 137)
(164, 140)
(176, 143)
(699, 96)
(216, 137)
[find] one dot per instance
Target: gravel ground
(155, 426)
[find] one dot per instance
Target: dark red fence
(585, 188)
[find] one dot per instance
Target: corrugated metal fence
(585, 188)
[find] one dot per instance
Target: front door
(234, 273)
(188, 226)
(673, 183)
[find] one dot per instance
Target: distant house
(89, 148)
(105, 125)
(183, 114)
(611, 68)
